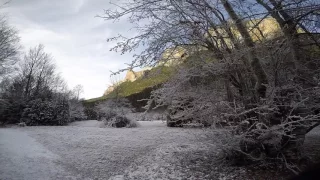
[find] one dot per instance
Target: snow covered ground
(83, 150)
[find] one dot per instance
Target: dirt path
(22, 157)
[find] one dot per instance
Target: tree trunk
(27, 88)
(228, 89)
(260, 75)
(289, 29)
(293, 146)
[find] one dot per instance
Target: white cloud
(75, 38)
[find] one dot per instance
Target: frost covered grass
(101, 153)
(86, 151)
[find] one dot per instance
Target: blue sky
(74, 36)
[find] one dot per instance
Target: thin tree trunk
(289, 29)
(228, 89)
(260, 75)
(27, 89)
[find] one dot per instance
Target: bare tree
(9, 45)
(38, 70)
(260, 75)
(291, 16)
(78, 90)
(37, 89)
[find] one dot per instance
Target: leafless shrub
(112, 107)
(120, 122)
(114, 113)
(22, 124)
(76, 110)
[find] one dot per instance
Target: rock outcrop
(132, 75)
(109, 90)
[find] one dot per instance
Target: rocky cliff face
(109, 90)
(130, 76)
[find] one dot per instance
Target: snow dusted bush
(11, 113)
(270, 129)
(104, 112)
(112, 107)
(76, 110)
(113, 113)
(120, 122)
(194, 95)
(22, 124)
(109, 114)
(132, 124)
(39, 112)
